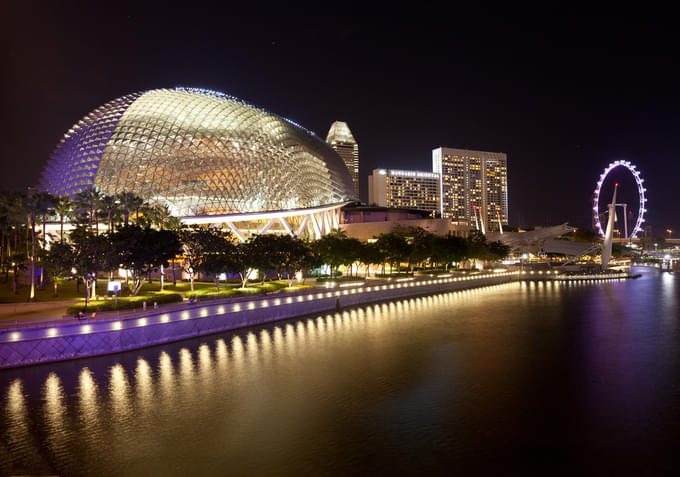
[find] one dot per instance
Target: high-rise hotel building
(340, 138)
(404, 189)
(472, 179)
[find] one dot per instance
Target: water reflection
(426, 364)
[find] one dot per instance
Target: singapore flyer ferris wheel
(641, 210)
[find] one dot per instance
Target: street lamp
(669, 232)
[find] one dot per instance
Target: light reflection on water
(477, 371)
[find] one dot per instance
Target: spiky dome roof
(199, 152)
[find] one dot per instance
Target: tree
(128, 202)
(174, 224)
(63, 207)
(193, 240)
(14, 219)
(218, 254)
(420, 241)
(143, 250)
(91, 254)
(85, 204)
(498, 250)
(395, 247)
(245, 259)
(330, 249)
(291, 256)
(476, 246)
(265, 253)
(448, 249)
(370, 254)
(36, 204)
(109, 207)
(584, 235)
(59, 261)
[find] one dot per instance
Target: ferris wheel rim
(641, 195)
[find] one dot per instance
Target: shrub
(125, 303)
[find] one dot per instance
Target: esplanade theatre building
(208, 157)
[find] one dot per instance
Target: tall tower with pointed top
(341, 139)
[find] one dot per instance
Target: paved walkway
(22, 312)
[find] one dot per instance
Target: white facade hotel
(404, 189)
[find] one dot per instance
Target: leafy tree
(584, 235)
(292, 255)
(245, 261)
(218, 256)
(91, 253)
(143, 250)
(13, 220)
(420, 241)
(448, 249)
(59, 260)
(371, 254)
(330, 249)
(498, 250)
(395, 248)
(265, 252)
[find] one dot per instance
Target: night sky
(563, 93)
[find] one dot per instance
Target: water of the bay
(523, 377)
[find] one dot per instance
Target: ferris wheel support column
(609, 234)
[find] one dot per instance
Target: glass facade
(473, 179)
(200, 153)
(341, 139)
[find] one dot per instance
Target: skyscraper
(340, 138)
(407, 189)
(472, 180)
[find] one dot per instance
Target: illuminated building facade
(404, 189)
(203, 154)
(341, 139)
(472, 179)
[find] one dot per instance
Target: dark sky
(562, 92)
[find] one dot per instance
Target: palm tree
(63, 207)
(48, 201)
(87, 201)
(137, 203)
(173, 223)
(5, 227)
(110, 207)
(34, 204)
(12, 215)
(126, 200)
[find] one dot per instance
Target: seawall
(36, 344)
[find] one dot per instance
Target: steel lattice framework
(641, 195)
(199, 152)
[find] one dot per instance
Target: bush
(271, 286)
(393, 275)
(340, 279)
(295, 288)
(125, 303)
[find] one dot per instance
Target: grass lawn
(202, 290)
(126, 303)
(210, 292)
(67, 290)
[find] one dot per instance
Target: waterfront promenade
(63, 339)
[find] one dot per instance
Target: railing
(53, 329)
